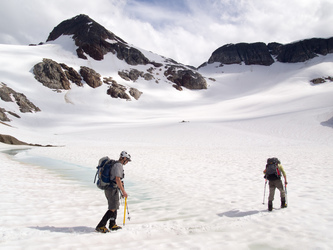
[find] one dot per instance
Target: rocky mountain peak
(84, 29)
(94, 40)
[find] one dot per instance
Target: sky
(187, 31)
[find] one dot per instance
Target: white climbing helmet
(124, 154)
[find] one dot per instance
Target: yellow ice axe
(125, 210)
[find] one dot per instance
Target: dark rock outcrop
(72, 74)
(253, 53)
(322, 80)
(51, 75)
(8, 139)
(262, 54)
(134, 75)
(9, 95)
(135, 93)
(93, 40)
(58, 76)
(184, 77)
(96, 41)
(91, 77)
(118, 91)
(108, 80)
(3, 115)
(304, 50)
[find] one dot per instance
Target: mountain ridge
(72, 78)
(260, 53)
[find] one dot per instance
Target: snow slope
(192, 185)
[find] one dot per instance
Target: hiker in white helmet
(112, 194)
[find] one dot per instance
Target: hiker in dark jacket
(275, 182)
(112, 194)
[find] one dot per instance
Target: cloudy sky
(186, 30)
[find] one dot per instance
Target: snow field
(192, 185)
(187, 190)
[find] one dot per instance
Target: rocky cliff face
(253, 53)
(303, 50)
(95, 41)
(262, 54)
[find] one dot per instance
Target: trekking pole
(285, 189)
(125, 210)
(263, 200)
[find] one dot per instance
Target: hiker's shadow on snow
(237, 213)
(70, 230)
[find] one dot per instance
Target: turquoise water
(83, 174)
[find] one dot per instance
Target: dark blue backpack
(104, 173)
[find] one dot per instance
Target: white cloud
(185, 30)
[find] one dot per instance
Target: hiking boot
(270, 205)
(115, 227)
(102, 230)
(283, 203)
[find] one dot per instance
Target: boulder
(118, 91)
(51, 75)
(185, 77)
(91, 77)
(135, 93)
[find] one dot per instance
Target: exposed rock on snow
(91, 77)
(253, 53)
(3, 116)
(72, 74)
(8, 139)
(322, 80)
(96, 41)
(134, 75)
(118, 91)
(187, 78)
(9, 95)
(262, 54)
(304, 50)
(51, 75)
(135, 93)
(108, 80)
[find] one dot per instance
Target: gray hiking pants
(112, 195)
(276, 184)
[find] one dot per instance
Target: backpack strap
(278, 170)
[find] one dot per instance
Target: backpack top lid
(272, 170)
(273, 160)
